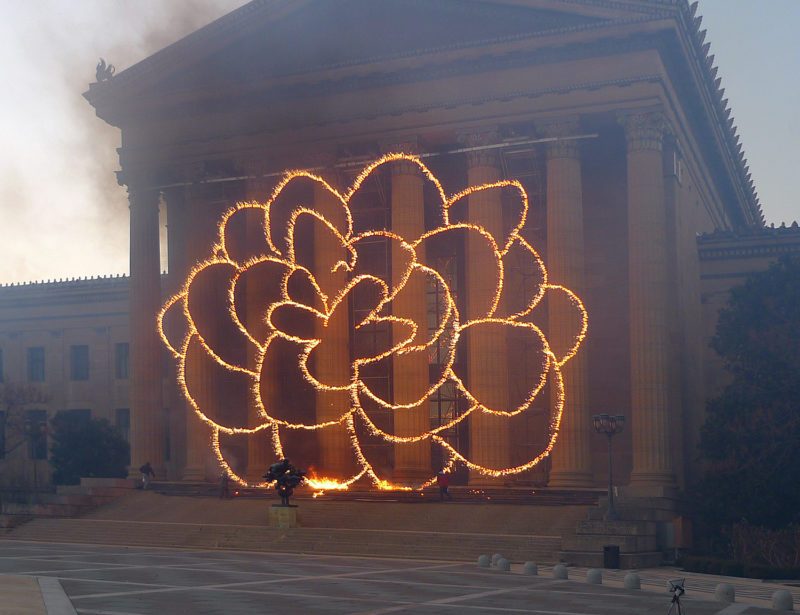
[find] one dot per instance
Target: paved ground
(102, 580)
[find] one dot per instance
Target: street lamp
(609, 425)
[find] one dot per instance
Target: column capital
(644, 130)
(405, 167)
(408, 145)
(257, 184)
(142, 196)
(477, 137)
(480, 138)
(560, 130)
(254, 167)
(320, 159)
(137, 181)
(404, 145)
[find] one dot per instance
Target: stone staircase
(638, 538)
(416, 529)
(67, 501)
(635, 543)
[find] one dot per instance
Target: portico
(575, 101)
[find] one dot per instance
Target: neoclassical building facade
(608, 115)
(64, 346)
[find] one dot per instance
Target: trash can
(611, 556)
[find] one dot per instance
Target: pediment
(269, 39)
(327, 34)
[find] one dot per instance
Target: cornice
(754, 242)
(67, 285)
(347, 117)
(71, 292)
(763, 250)
(713, 95)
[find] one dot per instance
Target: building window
(122, 421)
(36, 431)
(79, 362)
(36, 364)
(121, 360)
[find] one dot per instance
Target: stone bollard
(632, 581)
(530, 568)
(503, 564)
(560, 572)
(495, 557)
(724, 592)
(484, 561)
(782, 600)
(594, 576)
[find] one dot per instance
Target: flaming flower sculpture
(262, 304)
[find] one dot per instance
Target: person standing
(147, 472)
(443, 480)
(224, 484)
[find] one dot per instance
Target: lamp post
(610, 426)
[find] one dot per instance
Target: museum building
(478, 177)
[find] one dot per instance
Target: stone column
(201, 227)
(412, 462)
(335, 455)
(571, 456)
(647, 270)
(177, 273)
(489, 435)
(198, 433)
(259, 448)
(147, 419)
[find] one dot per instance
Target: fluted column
(177, 272)
(200, 463)
(571, 456)
(147, 421)
(259, 448)
(647, 250)
(412, 462)
(489, 436)
(334, 363)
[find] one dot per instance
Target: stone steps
(480, 517)
(635, 541)
(497, 495)
(67, 501)
(419, 529)
(426, 545)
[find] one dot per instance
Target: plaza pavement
(105, 580)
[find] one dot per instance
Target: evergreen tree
(86, 447)
(751, 437)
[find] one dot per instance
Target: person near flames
(443, 480)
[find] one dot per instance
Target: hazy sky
(63, 215)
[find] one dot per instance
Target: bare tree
(16, 427)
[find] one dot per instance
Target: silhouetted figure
(224, 485)
(443, 480)
(286, 478)
(147, 472)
